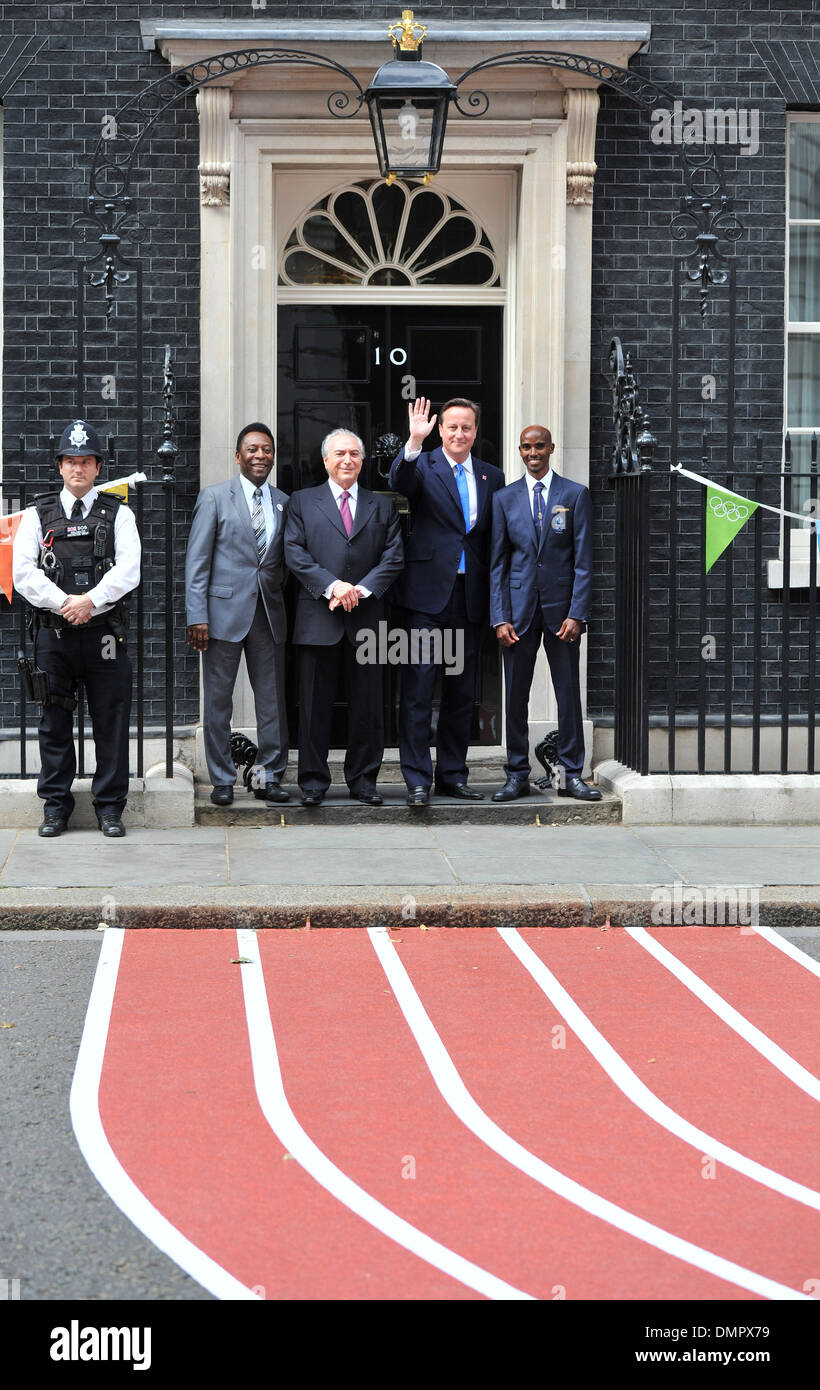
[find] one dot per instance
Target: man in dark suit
(444, 586)
(541, 581)
(343, 543)
(234, 574)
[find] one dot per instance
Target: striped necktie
(258, 521)
(538, 509)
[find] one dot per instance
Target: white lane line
(729, 1015)
(273, 1101)
(455, 1093)
(98, 1153)
(788, 947)
(636, 1091)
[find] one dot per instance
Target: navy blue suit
(535, 587)
(434, 599)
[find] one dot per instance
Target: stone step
(339, 808)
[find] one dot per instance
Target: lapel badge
(558, 522)
(279, 506)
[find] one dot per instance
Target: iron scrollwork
(109, 204)
(639, 89)
(167, 451)
(705, 211)
(634, 446)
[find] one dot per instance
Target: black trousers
(318, 679)
(519, 665)
(458, 692)
(94, 656)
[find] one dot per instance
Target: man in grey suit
(234, 576)
(343, 543)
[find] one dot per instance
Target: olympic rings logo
(728, 509)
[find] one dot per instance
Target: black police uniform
(76, 553)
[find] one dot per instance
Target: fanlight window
(372, 234)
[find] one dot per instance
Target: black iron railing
(721, 658)
(153, 566)
(158, 564)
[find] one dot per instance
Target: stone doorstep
(338, 808)
(741, 798)
(599, 907)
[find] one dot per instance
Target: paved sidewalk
(361, 875)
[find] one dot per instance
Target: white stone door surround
(526, 168)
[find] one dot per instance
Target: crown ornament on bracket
(407, 42)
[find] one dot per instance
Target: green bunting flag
(726, 514)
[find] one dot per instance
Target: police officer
(76, 555)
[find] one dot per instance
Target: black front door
(357, 369)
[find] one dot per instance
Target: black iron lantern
(408, 100)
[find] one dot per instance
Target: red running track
(179, 1107)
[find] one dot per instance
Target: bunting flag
(10, 522)
(726, 514)
(8, 530)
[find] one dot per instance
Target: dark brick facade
(729, 54)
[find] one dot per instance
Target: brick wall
(94, 62)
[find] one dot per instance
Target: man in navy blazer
(540, 587)
(444, 586)
(343, 543)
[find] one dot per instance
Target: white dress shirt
(249, 489)
(353, 497)
(41, 592)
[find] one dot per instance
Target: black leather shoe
(418, 796)
(512, 789)
(271, 792)
(369, 798)
(111, 826)
(53, 825)
(222, 796)
(312, 798)
(577, 787)
(458, 789)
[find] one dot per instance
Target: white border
(98, 1153)
(274, 1104)
(455, 1093)
(636, 1091)
(769, 1050)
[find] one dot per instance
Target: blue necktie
(464, 494)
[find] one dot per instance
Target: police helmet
(77, 439)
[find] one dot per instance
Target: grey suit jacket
(223, 573)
